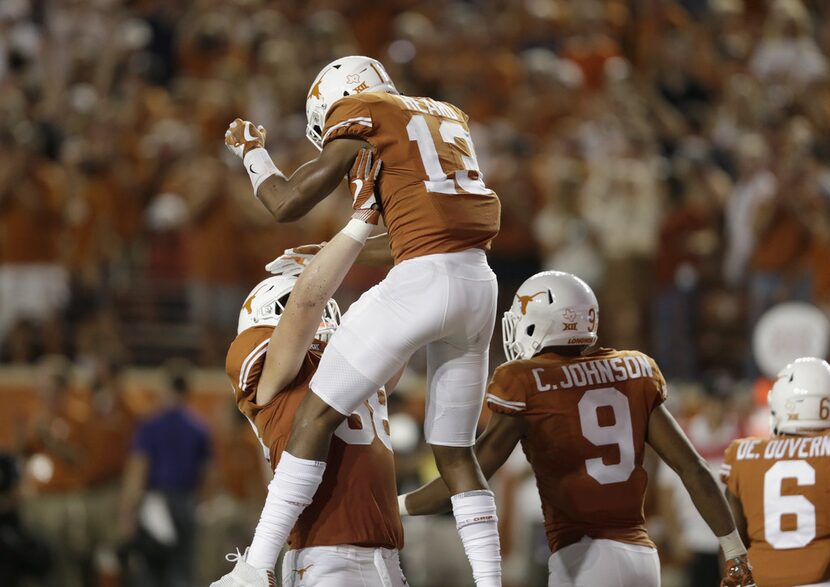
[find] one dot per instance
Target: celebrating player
(583, 418)
(351, 532)
(779, 487)
(441, 294)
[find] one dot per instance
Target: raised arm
(667, 438)
(493, 448)
(298, 325)
(291, 198)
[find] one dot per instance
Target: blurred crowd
(673, 153)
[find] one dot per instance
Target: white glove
(242, 136)
(292, 262)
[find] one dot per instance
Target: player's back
(783, 484)
(588, 418)
(357, 499)
(432, 191)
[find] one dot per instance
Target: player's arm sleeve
(507, 392)
(243, 363)
(349, 117)
(658, 384)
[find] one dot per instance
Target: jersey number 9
(620, 433)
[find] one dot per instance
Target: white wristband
(732, 545)
(259, 166)
(358, 230)
(402, 504)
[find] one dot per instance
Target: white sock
(294, 484)
(477, 523)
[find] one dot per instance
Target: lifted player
(441, 294)
(779, 487)
(583, 418)
(351, 532)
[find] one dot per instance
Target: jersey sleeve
(729, 458)
(349, 117)
(245, 359)
(507, 392)
(658, 383)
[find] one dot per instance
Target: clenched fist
(242, 136)
(738, 573)
(362, 179)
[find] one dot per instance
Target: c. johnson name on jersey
(611, 370)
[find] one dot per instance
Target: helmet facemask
(316, 121)
(509, 323)
(329, 321)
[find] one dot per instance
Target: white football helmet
(551, 308)
(799, 401)
(344, 77)
(266, 303)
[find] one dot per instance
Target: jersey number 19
(457, 140)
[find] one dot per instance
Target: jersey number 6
(776, 505)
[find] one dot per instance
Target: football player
(350, 532)
(583, 417)
(779, 487)
(440, 295)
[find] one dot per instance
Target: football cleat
(244, 575)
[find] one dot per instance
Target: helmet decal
(248, 305)
(315, 91)
(525, 300)
(568, 318)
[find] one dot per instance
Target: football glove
(292, 262)
(244, 575)
(242, 136)
(362, 180)
(738, 573)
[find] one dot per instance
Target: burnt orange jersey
(783, 484)
(357, 499)
(432, 192)
(587, 420)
